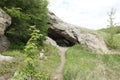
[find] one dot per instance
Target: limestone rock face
(5, 21)
(76, 34)
(50, 41)
(4, 43)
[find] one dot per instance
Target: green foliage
(53, 57)
(33, 43)
(12, 53)
(29, 69)
(44, 67)
(112, 37)
(116, 41)
(31, 66)
(17, 13)
(25, 13)
(14, 49)
(82, 64)
(8, 68)
(111, 30)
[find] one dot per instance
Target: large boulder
(72, 34)
(5, 21)
(50, 41)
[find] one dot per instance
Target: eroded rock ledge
(68, 34)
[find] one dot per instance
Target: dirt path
(58, 75)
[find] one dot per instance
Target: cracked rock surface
(5, 21)
(73, 34)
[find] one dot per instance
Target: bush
(112, 37)
(25, 13)
(116, 42)
(29, 69)
(111, 30)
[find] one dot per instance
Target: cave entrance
(60, 40)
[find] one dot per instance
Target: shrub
(25, 13)
(29, 69)
(112, 37)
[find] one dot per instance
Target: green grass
(49, 65)
(53, 59)
(82, 64)
(7, 69)
(112, 37)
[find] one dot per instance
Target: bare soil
(58, 74)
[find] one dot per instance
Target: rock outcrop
(5, 21)
(5, 58)
(69, 34)
(50, 42)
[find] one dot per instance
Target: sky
(91, 14)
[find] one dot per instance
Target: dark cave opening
(60, 40)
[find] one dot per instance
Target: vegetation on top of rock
(25, 13)
(65, 33)
(112, 30)
(112, 37)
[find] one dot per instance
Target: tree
(25, 13)
(111, 15)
